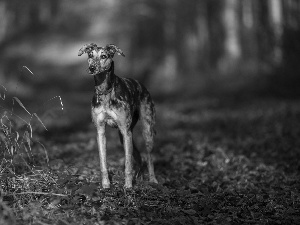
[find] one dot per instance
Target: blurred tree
(215, 31)
(247, 13)
(248, 40)
(291, 34)
(24, 16)
(3, 20)
(18, 19)
(275, 7)
(232, 47)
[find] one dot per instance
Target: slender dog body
(120, 103)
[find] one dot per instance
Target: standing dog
(119, 102)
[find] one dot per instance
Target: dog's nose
(92, 68)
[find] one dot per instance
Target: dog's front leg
(101, 139)
(127, 139)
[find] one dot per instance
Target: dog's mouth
(93, 70)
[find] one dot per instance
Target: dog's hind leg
(147, 116)
(130, 150)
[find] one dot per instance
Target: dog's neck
(104, 81)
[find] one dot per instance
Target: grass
(218, 161)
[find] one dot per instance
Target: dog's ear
(112, 49)
(87, 48)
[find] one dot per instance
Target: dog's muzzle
(92, 69)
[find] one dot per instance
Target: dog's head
(99, 58)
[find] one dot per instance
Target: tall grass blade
(60, 100)
(21, 104)
(28, 69)
(46, 153)
(27, 138)
(40, 121)
(2, 96)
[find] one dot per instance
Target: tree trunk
(247, 14)
(232, 48)
(166, 73)
(3, 21)
(275, 8)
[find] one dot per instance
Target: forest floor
(218, 160)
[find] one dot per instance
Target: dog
(119, 103)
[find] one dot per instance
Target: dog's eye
(91, 54)
(103, 56)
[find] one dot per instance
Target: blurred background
(238, 48)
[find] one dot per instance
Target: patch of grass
(24, 162)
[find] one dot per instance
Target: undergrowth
(24, 161)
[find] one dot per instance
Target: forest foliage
(173, 35)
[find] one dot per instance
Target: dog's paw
(105, 185)
(153, 179)
(128, 184)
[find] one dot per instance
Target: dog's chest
(106, 116)
(106, 112)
